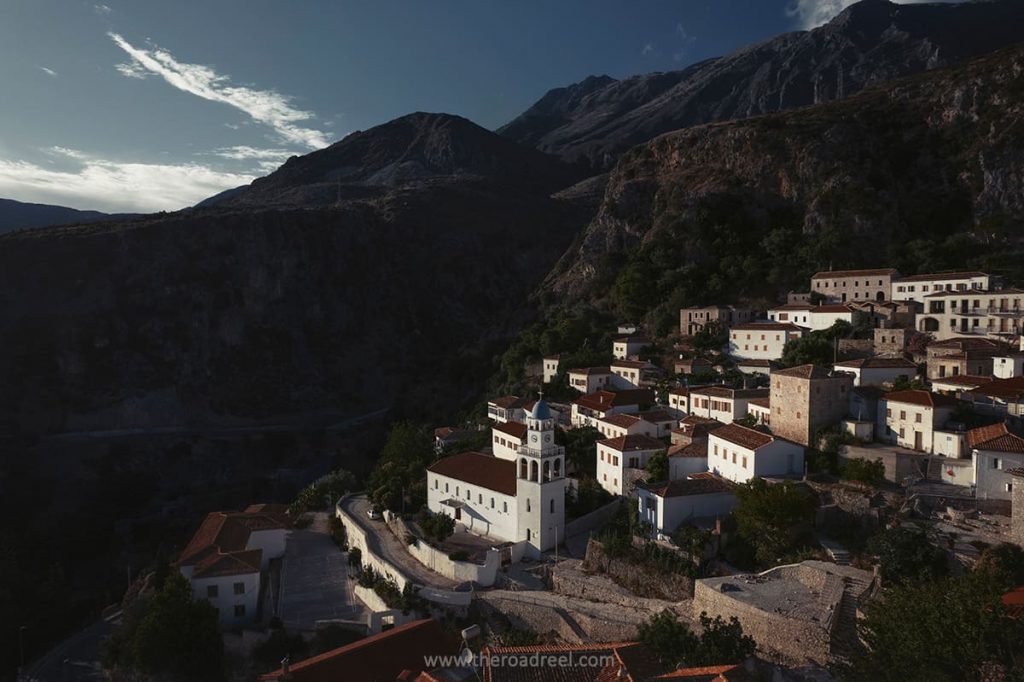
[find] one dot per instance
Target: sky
(150, 105)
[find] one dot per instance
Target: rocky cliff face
(869, 43)
(921, 173)
(284, 299)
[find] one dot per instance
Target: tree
(178, 637)
(748, 420)
(1004, 562)
(711, 338)
(864, 471)
(941, 631)
(771, 517)
(330, 487)
(397, 480)
(906, 555)
(657, 466)
(674, 644)
(814, 349)
(580, 449)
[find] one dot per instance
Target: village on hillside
(728, 502)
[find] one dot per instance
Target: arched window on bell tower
(522, 468)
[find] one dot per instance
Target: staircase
(845, 641)
(934, 472)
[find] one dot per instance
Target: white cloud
(686, 41)
(102, 9)
(648, 48)
(49, 72)
(814, 13)
(114, 186)
(264, 106)
(266, 159)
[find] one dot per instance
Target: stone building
(841, 286)
(1017, 513)
(798, 614)
(892, 343)
(958, 356)
(806, 399)
(692, 320)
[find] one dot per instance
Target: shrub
(459, 555)
(864, 471)
(436, 527)
(338, 532)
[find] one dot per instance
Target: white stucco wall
(1008, 367)
(990, 473)
(778, 458)
(681, 467)
(272, 543)
(668, 513)
(484, 511)
(226, 599)
(504, 445)
(892, 416)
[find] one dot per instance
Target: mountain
(869, 43)
(382, 272)
(16, 215)
(923, 174)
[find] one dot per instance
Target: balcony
(1005, 310)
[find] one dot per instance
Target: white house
(628, 347)
(723, 404)
(740, 454)
(507, 408)
(620, 461)
(958, 383)
(550, 364)
(1008, 366)
(590, 379)
(762, 340)
(616, 425)
(227, 556)
(668, 505)
(588, 409)
(877, 371)
(663, 420)
(515, 501)
(815, 318)
(995, 451)
(633, 374)
(761, 410)
(917, 287)
(507, 439)
(687, 458)
(911, 418)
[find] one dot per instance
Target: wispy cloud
(686, 41)
(814, 13)
(102, 9)
(110, 185)
(264, 106)
(265, 159)
(648, 48)
(49, 72)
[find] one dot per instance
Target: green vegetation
(459, 555)
(864, 471)
(941, 631)
(711, 338)
(675, 645)
(397, 482)
(907, 555)
(1004, 562)
(617, 539)
(407, 600)
(772, 518)
(323, 492)
(657, 466)
(338, 532)
(588, 496)
(436, 527)
(580, 446)
(170, 636)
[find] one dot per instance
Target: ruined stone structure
(891, 343)
(798, 614)
(806, 399)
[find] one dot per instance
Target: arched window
(533, 470)
(522, 468)
(547, 471)
(558, 467)
(528, 506)
(552, 505)
(529, 535)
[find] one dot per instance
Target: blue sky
(145, 105)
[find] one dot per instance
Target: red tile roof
(732, 393)
(967, 343)
(833, 274)
(742, 436)
(793, 306)
(622, 420)
(631, 364)
(591, 371)
(475, 468)
(952, 276)
(1014, 602)
(658, 415)
(681, 487)
(920, 397)
(631, 662)
(602, 401)
(219, 545)
(632, 443)
(509, 401)
(803, 372)
(832, 308)
(378, 658)
(762, 402)
(996, 438)
(697, 449)
(709, 673)
(514, 429)
(878, 363)
(963, 380)
(1010, 389)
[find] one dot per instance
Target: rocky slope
(867, 44)
(284, 298)
(927, 172)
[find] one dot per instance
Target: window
(458, 491)
(1009, 487)
(917, 418)
(744, 461)
(504, 507)
(211, 591)
(480, 499)
(995, 463)
(529, 535)
(528, 507)
(239, 610)
(552, 505)
(492, 503)
(734, 458)
(469, 494)
(446, 487)
(436, 484)
(901, 432)
(239, 588)
(903, 414)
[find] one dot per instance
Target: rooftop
(921, 397)
(591, 371)
(996, 438)
(632, 443)
(877, 272)
(743, 436)
(767, 327)
(951, 276)
(732, 393)
(963, 380)
(602, 401)
(803, 372)
(475, 468)
(510, 402)
(878, 363)
(698, 449)
(631, 364)
(622, 420)
(683, 487)
(219, 546)
(514, 429)
(1008, 389)
(385, 656)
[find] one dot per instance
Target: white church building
(511, 500)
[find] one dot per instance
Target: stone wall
(592, 521)
(891, 343)
(438, 561)
(801, 407)
(899, 463)
(636, 579)
(856, 348)
(1017, 513)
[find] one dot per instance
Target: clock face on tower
(534, 438)
(547, 438)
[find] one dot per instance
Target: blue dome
(540, 410)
